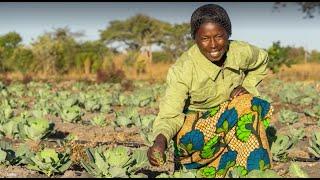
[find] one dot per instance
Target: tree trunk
(87, 66)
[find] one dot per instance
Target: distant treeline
(59, 51)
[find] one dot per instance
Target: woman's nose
(213, 43)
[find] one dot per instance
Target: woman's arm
(256, 70)
(170, 118)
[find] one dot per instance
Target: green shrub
(161, 56)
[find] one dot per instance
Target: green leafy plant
(99, 120)
(296, 134)
(114, 162)
(183, 173)
(10, 128)
(71, 114)
(280, 147)
(50, 162)
(7, 154)
(129, 116)
(92, 104)
(288, 117)
(289, 93)
(278, 56)
(159, 158)
(268, 173)
(314, 143)
(23, 155)
(314, 112)
(238, 172)
(147, 120)
(6, 112)
(35, 128)
(296, 171)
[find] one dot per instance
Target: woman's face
(212, 40)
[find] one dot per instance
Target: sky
(254, 22)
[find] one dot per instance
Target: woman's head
(211, 29)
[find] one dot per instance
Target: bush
(278, 56)
(131, 58)
(26, 78)
(161, 56)
(113, 75)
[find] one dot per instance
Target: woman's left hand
(239, 90)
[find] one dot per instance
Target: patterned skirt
(230, 135)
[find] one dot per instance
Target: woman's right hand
(159, 146)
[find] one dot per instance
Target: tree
(91, 56)
(177, 39)
(315, 56)
(44, 52)
(8, 43)
(55, 51)
(136, 32)
(278, 56)
(65, 47)
(10, 40)
(307, 8)
(21, 60)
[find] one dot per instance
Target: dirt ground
(89, 135)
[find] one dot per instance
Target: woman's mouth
(215, 54)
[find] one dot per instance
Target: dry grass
(154, 72)
(300, 72)
(158, 72)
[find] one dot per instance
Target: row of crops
(30, 113)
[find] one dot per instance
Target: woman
(211, 107)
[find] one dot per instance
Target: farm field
(81, 129)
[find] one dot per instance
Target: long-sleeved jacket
(195, 83)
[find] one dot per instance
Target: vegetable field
(80, 129)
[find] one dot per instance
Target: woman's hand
(239, 90)
(159, 146)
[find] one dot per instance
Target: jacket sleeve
(171, 117)
(256, 70)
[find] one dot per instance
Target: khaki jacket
(195, 83)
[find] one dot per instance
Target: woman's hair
(210, 13)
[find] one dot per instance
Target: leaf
(3, 156)
(288, 117)
(184, 173)
(296, 171)
(139, 175)
(91, 168)
(140, 158)
(99, 120)
(118, 172)
(296, 134)
(48, 155)
(100, 162)
(314, 143)
(65, 166)
(36, 128)
(160, 159)
(122, 121)
(163, 175)
(49, 161)
(117, 156)
(238, 172)
(262, 174)
(280, 146)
